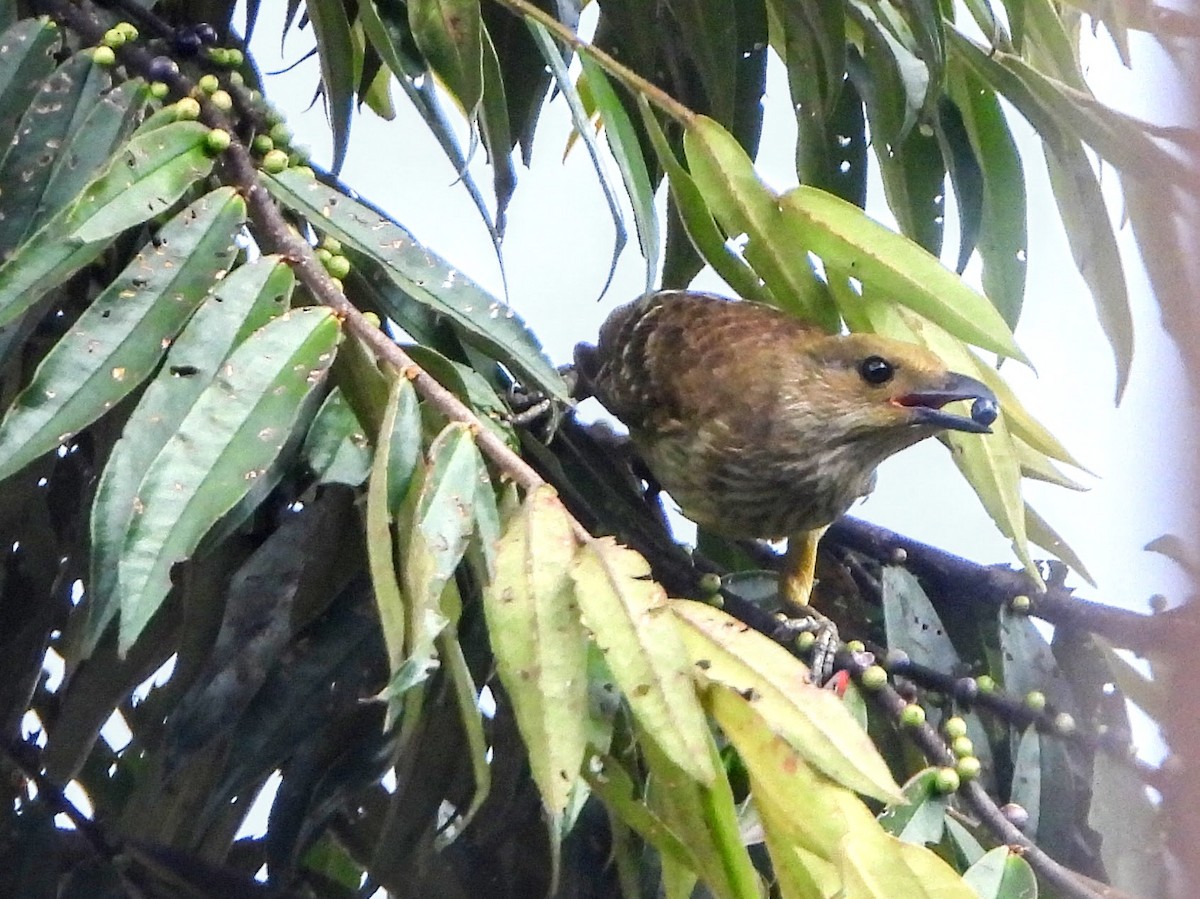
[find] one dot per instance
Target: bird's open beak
(927, 405)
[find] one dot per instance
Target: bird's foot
(536, 412)
(825, 646)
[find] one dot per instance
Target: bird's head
(899, 391)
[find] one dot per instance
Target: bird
(760, 425)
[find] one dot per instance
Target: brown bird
(762, 426)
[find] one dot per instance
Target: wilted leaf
(540, 645)
(631, 622)
(777, 686)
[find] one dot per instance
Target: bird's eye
(876, 370)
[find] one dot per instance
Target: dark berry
(206, 33)
(161, 68)
(187, 42)
(984, 411)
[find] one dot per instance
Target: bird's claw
(823, 649)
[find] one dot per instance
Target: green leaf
(698, 220)
(118, 341)
(442, 525)
(705, 818)
(422, 277)
(64, 100)
(1003, 874)
(627, 151)
(144, 179)
(89, 145)
(27, 55)
(779, 689)
(338, 55)
(854, 245)
(449, 34)
(336, 449)
(245, 300)
(540, 645)
(920, 817)
(583, 127)
(630, 621)
(1095, 250)
(229, 437)
(381, 560)
(743, 204)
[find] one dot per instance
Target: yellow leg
(799, 568)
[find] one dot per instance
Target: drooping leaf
(623, 142)
(854, 245)
(422, 276)
(743, 204)
(232, 433)
(779, 689)
(337, 54)
(121, 337)
(630, 620)
(449, 34)
(244, 301)
(583, 128)
(540, 645)
(381, 557)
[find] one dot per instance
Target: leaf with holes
(230, 436)
(118, 341)
(244, 301)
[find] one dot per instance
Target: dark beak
(927, 405)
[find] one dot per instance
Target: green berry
(280, 133)
(710, 582)
(209, 83)
(856, 646)
(305, 171)
(323, 256)
(955, 727)
(234, 58)
(275, 162)
(114, 38)
(1021, 605)
(873, 678)
(947, 780)
(339, 267)
(187, 109)
(217, 141)
(159, 90)
(962, 747)
(332, 244)
(236, 78)
(805, 641)
(968, 767)
(104, 56)
(222, 101)
(912, 715)
(218, 56)
(337, 282)
(262, 144)
(1035, 700)
(986, 683)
